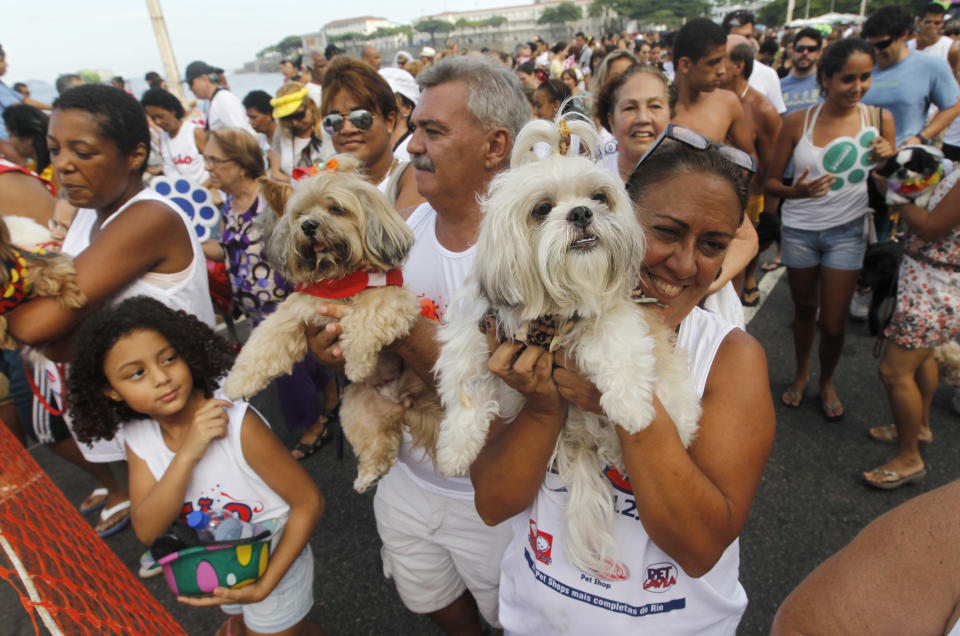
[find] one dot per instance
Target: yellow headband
(288, 104)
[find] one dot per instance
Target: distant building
(365, 25)
(528, 13)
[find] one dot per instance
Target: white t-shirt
(941, 48)
(181, 157)
(227, 111)
(765, 80)
(647, 593)
(432, 271)
(222, 479)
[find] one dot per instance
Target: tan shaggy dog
(341, 242)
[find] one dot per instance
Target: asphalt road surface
(810, 503)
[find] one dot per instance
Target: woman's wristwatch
(923, 140)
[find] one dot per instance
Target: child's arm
(157, 504)
(267, 455)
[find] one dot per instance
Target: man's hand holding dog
(324, 341)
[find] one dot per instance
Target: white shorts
(435, 547)
(287, 604)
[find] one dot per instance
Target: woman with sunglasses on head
(678, 512)
(298, 140)
(127, 240)
(635, 108)
(824, 232)
(360, 114)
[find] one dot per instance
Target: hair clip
(311, 171)
(564, 136)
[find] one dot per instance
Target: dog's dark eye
(541, 211)
(337, 210)
(600, 197)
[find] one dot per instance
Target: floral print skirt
(927, 313)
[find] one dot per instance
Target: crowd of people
(737, 121)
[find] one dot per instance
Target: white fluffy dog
(558, 255)
(341, 242)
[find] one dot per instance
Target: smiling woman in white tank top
(826, 216)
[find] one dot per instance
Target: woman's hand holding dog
(573, 386)
(527, 369)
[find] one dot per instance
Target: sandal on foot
(771, 266)
(895, 479)
(94, 501)
(116, 517)
(309, 449)
(832, 412)
(792, 398)
(890, 435)
(747, 292)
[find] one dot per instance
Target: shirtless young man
(698, 52)
(763, 124)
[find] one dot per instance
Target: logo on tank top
(541, 543)
(660, 577)
(617, 480)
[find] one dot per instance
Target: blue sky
(44, 39)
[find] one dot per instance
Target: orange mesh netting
(66, 576)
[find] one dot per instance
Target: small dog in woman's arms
(559, 253)
(25, 274)
(341, 242)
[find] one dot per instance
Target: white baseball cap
(402, 82)
(427, 51)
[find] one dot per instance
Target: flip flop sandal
(317, 444)
(795, 396)
(889, 435)
(97, 500)
(771, 266)
(897, 481)
(750, 303)
(826, 409)
(120, 512)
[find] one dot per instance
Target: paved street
(810, 502)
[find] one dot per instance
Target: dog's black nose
(309, 226)
(580, 216)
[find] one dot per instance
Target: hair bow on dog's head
(569, 130)
(327, 166)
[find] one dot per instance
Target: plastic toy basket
(198, 570)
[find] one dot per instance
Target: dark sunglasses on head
(806, 48)
(297, 116)
(882, 44)
(695, 140)
(359, 119)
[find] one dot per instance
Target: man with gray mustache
(444, 560)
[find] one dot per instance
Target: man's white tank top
(181, 157)
(222, 479)
(189, 292)
(837, 206)
(646, 591)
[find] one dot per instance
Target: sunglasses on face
(882, 44)
(359, 119)
(297, 116)
(806, 48)
(694, 139)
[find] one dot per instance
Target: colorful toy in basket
(912, 174)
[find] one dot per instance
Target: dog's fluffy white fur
(332, 225)
(559, 237)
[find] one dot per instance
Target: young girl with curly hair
(154, 371)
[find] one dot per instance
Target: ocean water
(240, 85)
